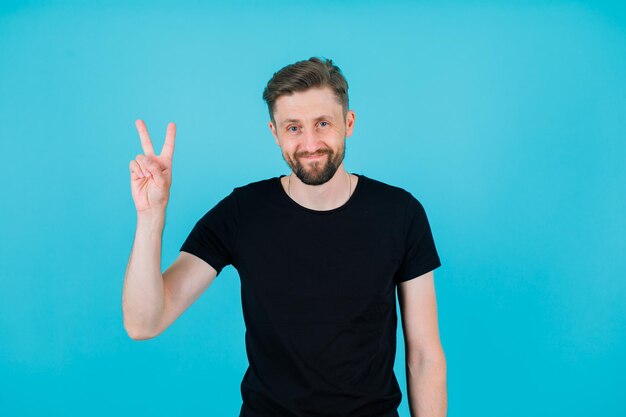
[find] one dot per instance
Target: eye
(323, 124)
(290, 128)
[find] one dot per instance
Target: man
(319, 252)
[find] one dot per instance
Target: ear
(273, 130)
(350, 118)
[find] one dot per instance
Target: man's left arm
(425, 359)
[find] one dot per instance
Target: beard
(319, 171)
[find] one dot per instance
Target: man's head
(309, 117)
(303, 75)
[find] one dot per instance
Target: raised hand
(151, 175)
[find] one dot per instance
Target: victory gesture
(151, 175)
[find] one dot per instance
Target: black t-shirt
(318, 293)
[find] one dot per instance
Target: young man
(319, 252)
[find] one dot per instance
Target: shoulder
(259, 185)
(243, 192)
(256, 193)
(399, 202)
(387, 192)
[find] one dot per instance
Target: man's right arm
(151, 302)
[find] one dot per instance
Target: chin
(314, 181)
(318, 177)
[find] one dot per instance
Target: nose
(310, 142)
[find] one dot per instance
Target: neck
(332, 194)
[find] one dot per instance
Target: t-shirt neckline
(350, 201)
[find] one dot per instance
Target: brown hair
(303, 75)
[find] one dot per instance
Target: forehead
(307, 104)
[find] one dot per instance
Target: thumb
(155, 172)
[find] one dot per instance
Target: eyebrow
(324, 116)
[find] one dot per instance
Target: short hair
(303, 75)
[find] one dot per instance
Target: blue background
(506, 121)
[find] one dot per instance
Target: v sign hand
(151, 175)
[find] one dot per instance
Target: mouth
(313, 157)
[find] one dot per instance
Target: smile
(312, 157)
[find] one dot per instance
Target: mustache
(316, 153)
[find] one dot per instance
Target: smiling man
(320, 254)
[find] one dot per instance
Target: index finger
(168, 146)
(146, 144)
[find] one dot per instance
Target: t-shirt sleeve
(213, 237)
(420, 254)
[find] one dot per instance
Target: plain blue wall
(506, 121)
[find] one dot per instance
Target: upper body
(318, 292)
(320, 254)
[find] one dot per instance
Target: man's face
(311, 132)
